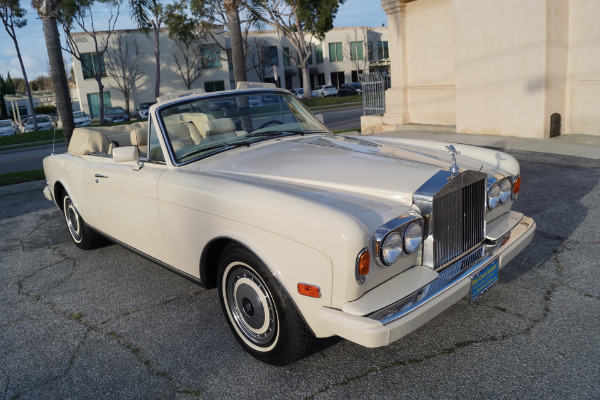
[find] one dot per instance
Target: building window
(94, 103)
(335, 52)
(370, 53)
(337, 79)
(319, 53)
(211, 56)
(309, 61)
(382, 50)
(214, 86)
(356, 51)
(89, 65)
(356, 75)
(286, 56)
(270, 55)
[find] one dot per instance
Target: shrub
(45, 109)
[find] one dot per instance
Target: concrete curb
(22, 187)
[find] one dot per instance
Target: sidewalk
(587, 146)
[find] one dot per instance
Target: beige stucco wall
(501, 67)
(493, 67)
(430, 62)
(583, 85)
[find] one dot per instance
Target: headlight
(505, 190)
(391, 248)
(413, 235)
(493, 196)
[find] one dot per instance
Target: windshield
(202, 126)
(79, 114)
(114, 110)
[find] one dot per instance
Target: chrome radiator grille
(458, 218)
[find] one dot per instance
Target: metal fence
(373, 88)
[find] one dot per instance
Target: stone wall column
(396, 101)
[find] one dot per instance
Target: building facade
(341, 57)
(513, 68)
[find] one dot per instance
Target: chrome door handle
(99, 176)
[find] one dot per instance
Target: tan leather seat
(221, 128)
(139, 138)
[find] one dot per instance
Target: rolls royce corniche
(305, 233)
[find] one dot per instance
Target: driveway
(109, 324)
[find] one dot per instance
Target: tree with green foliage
(13, 16)
(78, 13)
(151, 15)
(123, 64)
(298, 21)
(49, 14)
(3, 113)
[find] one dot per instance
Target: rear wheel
(259, 312)
(83, 236)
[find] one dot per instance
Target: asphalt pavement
(109, 324)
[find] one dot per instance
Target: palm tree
(48, 12)
(12, 15)
(238, 60)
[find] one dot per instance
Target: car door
(127, 203)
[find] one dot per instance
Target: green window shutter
(319, 53)
(340, 52)
(360, 53)
(332, 56)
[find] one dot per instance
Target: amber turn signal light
(309, 290)
(516, 188)
(364, 263)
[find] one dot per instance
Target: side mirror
(125, 154)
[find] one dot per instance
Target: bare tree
(356, 50)
(298, 21)
(257, 59)
(151, 14)
(13, 16)
(77, 13)
(49, 14)
(123, 65)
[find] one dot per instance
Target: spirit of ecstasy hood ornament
(453, 152)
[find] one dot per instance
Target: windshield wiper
(221, 147)
(284, 132)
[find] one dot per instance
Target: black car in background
(350, 89)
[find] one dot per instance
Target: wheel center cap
(247, 306)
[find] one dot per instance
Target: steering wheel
(270, 122)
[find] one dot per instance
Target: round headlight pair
(395, 243)
(499, 193)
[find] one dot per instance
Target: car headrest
(139, 136)
(218, 126)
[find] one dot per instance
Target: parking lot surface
(109, 324)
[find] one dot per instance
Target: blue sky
(35, 57)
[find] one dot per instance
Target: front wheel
(83, 236)
(259, 312)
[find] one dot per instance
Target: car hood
(386, 171)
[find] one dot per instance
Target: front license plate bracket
(484, 279)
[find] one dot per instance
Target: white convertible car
(304, 233)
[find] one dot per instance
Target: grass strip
(12, 178)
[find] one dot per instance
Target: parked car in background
(326, 90)
(7, 127)
(115, 114)
(81, 119)
(142, 111)
(350, 89)
(44, 122)
(304, 233)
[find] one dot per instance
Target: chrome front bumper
(410, 312)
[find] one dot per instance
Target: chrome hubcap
(251, 306)
(72, 218)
